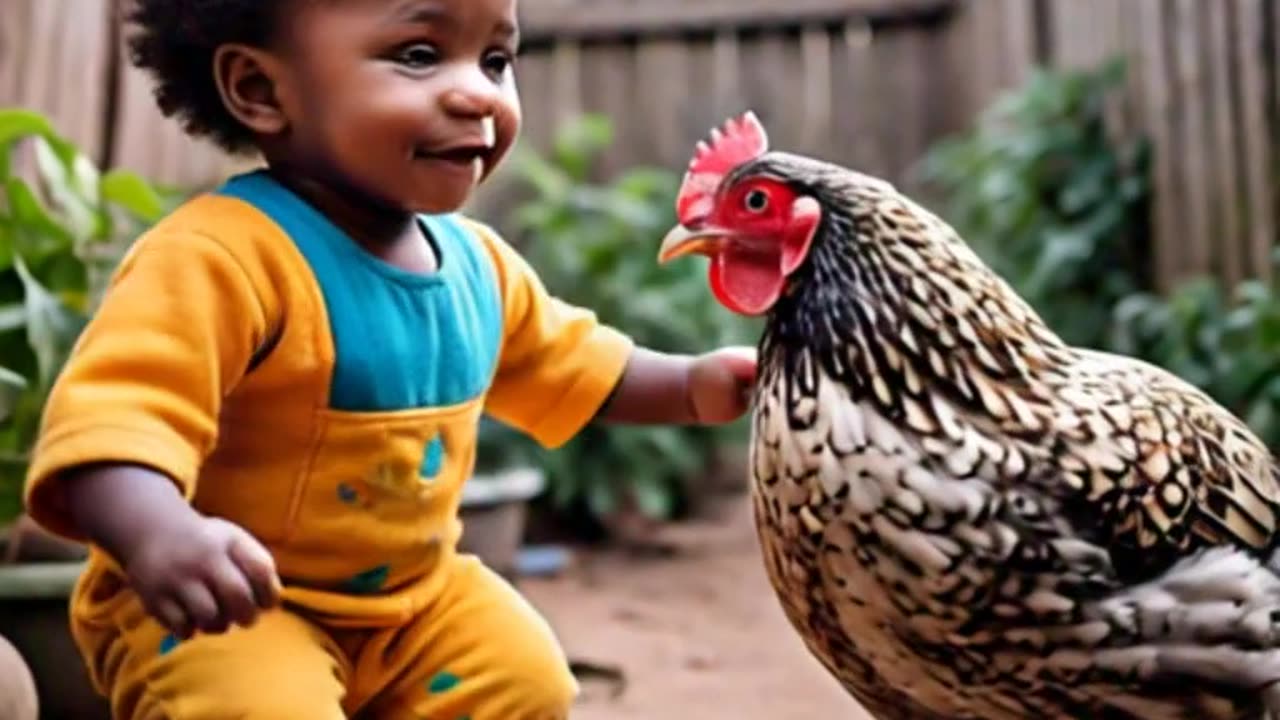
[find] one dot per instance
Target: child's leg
(480, 653)
(280, 669)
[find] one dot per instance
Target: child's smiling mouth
(463, 155)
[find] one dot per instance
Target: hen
(963, 516)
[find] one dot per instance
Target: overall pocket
(378, 501)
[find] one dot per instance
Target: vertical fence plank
(855, 94)
(1129, 18)
(698, 112)
(661, 64)
(914, 108)
(1018, 38)
(771, 82)
(566, 81)
(1066, 36)
(1258, 148)
(536, 80)
(726, 77)
(14, 19)
(815, 54)
(970, 63)
(1193, 137)
(608, 88)
(1222, 178)
(1167, 217)
(942, 97)
(1111, 45)
(899, 87)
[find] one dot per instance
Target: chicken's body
(965, 518)
(932, 597)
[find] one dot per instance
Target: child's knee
(526, 689)
(547, 694)
(510, 689)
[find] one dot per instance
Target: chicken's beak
(681, 241)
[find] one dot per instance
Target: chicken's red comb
(738, 140)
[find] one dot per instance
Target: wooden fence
(1202, 86)
(870, 83)
(663, 70)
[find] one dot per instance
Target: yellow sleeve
(558, 363)
(174, 333)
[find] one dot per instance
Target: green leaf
(11, 379)
(7, 242)
(653, 496)
(11, 387)
(12, 317)
(602, 496)
(134, 194)
(51, 328)
(578, 141)
(74, 191)
(17, 123)
(36, 233)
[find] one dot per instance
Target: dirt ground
(695, 633)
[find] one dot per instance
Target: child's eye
(497, 63)
(417, 55)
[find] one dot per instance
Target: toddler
(263, 432)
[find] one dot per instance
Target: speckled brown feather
(966, 518)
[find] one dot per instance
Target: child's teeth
(489, 134)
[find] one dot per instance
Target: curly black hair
(175, 42)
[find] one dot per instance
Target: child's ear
(248, 79)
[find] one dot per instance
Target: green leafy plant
(595, 244)
(61, 223)
(1224, 340)
(1051, 200)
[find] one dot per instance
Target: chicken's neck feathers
(891, 302)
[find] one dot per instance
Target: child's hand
(203, 576)
(191, 572)
(720, 384)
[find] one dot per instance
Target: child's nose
(474, 94)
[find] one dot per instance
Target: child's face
(411, 102)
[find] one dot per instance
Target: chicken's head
(754, 224)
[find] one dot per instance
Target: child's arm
(134, 412)
(679, 389)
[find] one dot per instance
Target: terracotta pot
(18, 699)
(494, 512)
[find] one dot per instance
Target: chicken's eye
(756, 201)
